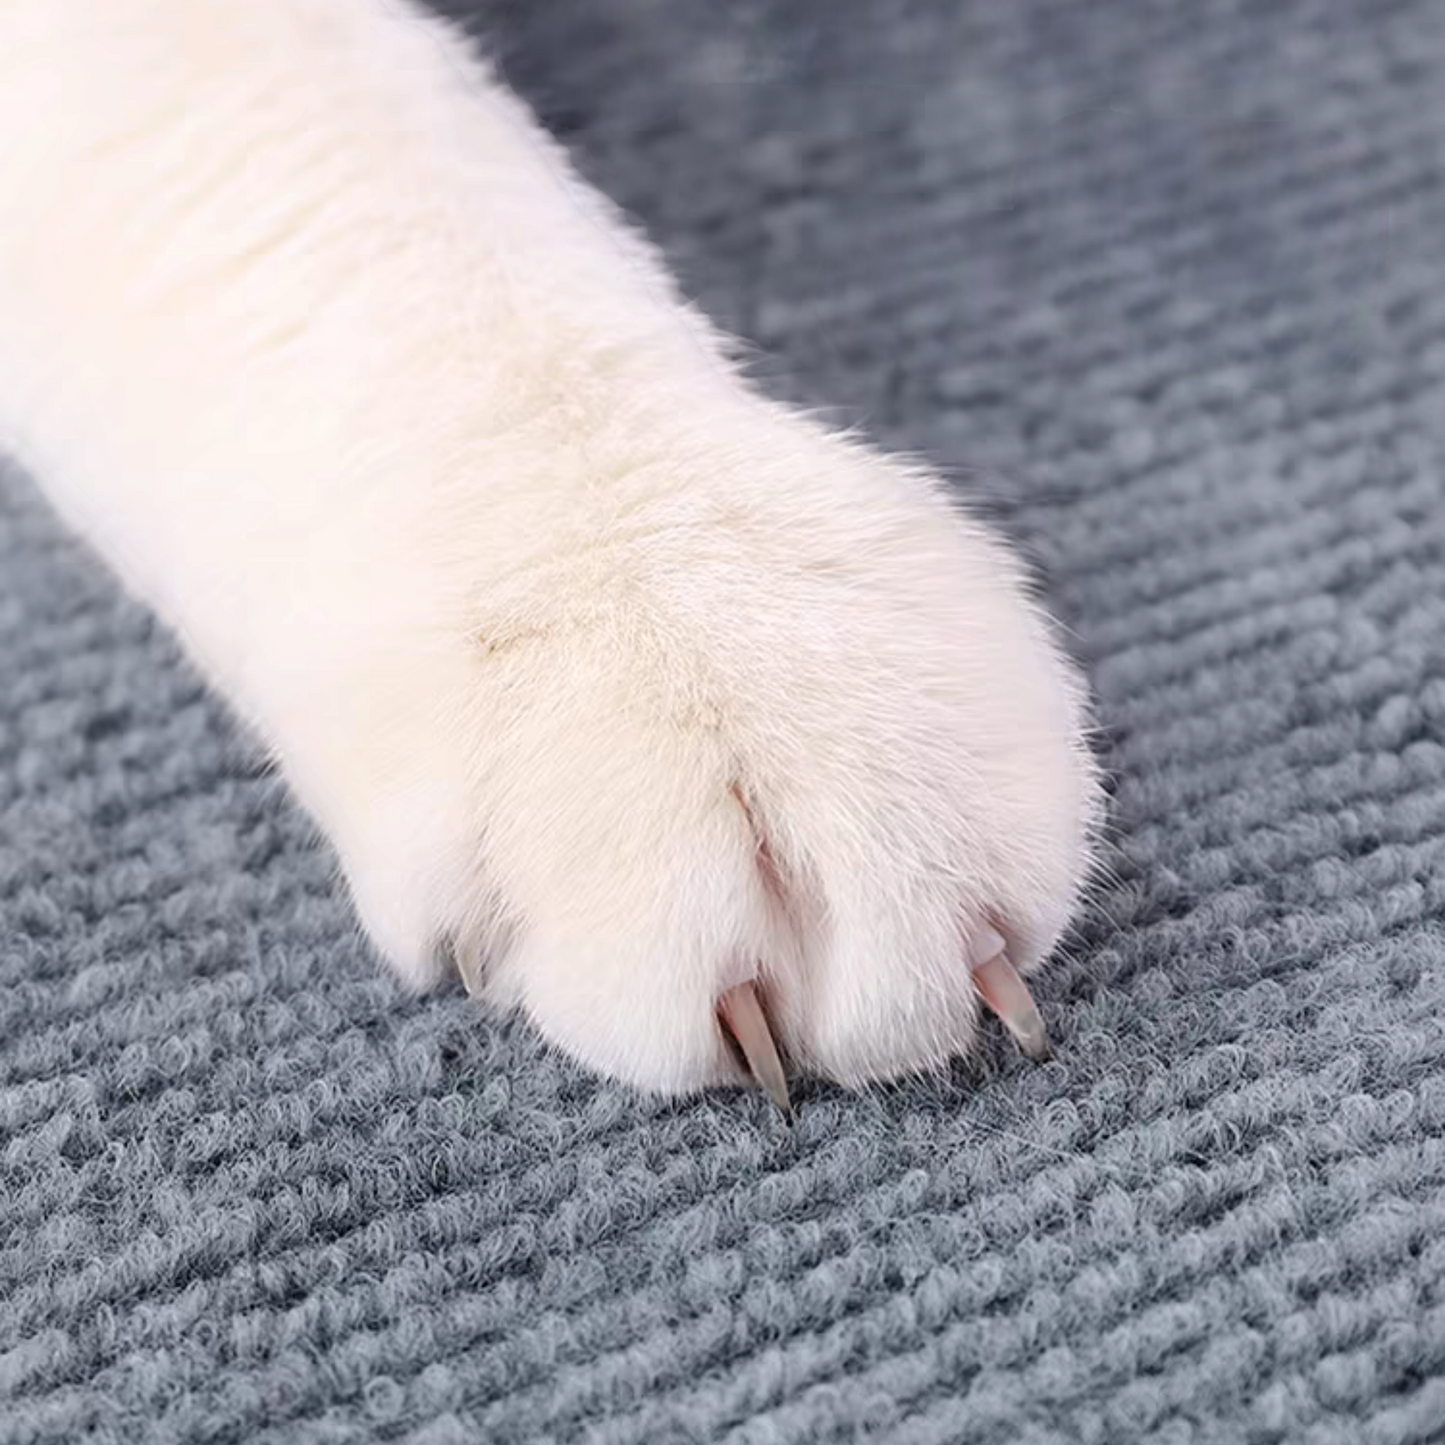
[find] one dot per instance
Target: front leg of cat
(608, 678)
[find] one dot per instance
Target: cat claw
(468, 960)
(740, 1012)
(1001, 988)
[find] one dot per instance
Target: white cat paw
(768, 714)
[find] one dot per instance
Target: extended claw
(468, 959)
(740, 1011)
(1001, 988)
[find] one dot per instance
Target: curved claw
(740, 1012)
(468, 959)
(1001, 988)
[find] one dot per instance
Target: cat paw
(765, 746)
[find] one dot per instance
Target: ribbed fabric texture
(1170, 277)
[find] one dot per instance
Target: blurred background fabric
(1163, 285)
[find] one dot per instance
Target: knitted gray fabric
(1172, 277)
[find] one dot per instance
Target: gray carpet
(1170, 277)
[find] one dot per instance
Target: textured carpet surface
(1172, 277)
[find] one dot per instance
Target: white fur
(549, 617)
